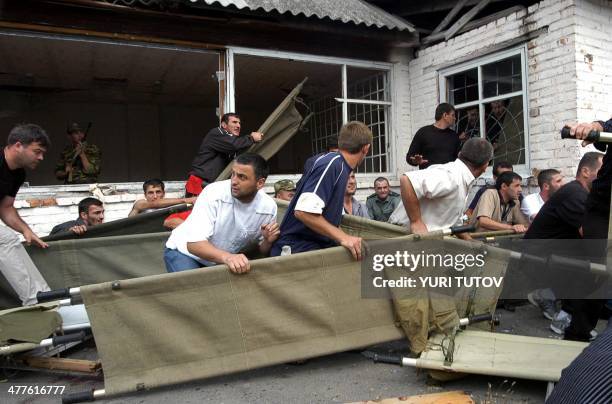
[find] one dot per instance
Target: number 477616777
(35, 390)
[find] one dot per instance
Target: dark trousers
(586, 312)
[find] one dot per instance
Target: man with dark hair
(314, 214)
(560, 218)
(155, 198)
(26, 147)
(80, 161)
(435, 198)
(91, 213)
(229, 218)
(584, 313)
(330, 147)
(218, 149)
(498, 168)
(437, 143)
(549, 182)
(495, 122)
(499, 208)
(383, 201)
(351, 205)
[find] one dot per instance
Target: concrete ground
(343, 377)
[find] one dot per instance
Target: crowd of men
(231, 218)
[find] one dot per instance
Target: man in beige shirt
(499, 209)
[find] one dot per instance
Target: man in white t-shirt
(435, 198)
(228, 219)
(549, 181)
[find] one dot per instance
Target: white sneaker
(561, 321)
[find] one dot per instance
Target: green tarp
(187, 326)
(28, 324)
(150, 222)
(123, 251)
(503, 355)
(420, 310)
(196, 324)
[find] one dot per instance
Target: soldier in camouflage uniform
(79, 162)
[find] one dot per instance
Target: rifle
(77, 152)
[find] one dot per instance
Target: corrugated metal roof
(354, 11)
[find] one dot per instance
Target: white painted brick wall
(594, 74)
(560, 88)
(43, 219)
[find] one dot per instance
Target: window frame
(344, 63)
(478, 63)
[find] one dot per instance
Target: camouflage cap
(74, 127)
(284, 185)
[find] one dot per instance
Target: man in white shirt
(435, 198)
(549, 181)
(228, 219)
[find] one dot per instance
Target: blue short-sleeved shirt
(322, 192)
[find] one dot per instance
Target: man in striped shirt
(314, 215)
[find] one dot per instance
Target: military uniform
(79, 175)
(382, 210)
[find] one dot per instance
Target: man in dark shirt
(218, 149)
(91, 213)
(315, 212)
(437, 143)
(595, 225)
(561, 216)
(26, 147)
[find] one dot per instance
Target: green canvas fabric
(504, 355)
(119, 254)
(421, 311)
(195, 324)
(72, 263)
(282, 124)
(27, 324)
(149, 222)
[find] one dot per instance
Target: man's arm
(270, 233)
(415, 157)
(172, 223)
(62, 169)
(528, 208)
(412, 206)
(90, 158)
(229, 144)
(237, 263)
(143, 204)
(318, 224)
(10, 216)
(490, 224)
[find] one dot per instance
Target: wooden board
(448, 397)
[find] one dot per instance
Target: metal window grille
(327, 119)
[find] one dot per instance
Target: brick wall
(552, 60)
(593, 51)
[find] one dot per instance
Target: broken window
(146, 106)
(334, 93)
(489, 95)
